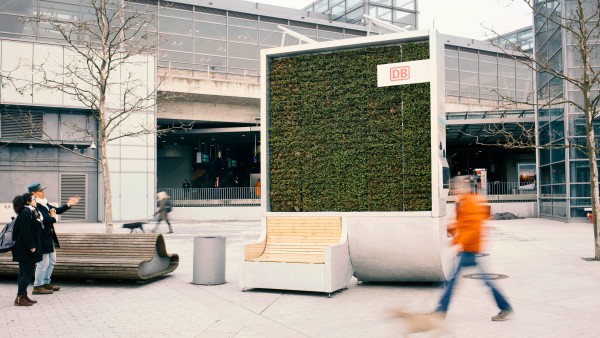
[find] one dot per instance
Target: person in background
(186, 184)
(164, 203)
(43, 270)
(467, 231)
(28, 245)
(257, 188)
(186, 193)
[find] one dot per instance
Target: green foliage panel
(339, 143)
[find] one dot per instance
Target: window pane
(178, 13)
(65, 12)
(243, 35)
(382, 2)
(268, 38)
(468, 65)
(12, 24)
(201, 59)
(468, 78)
(330, 35)
(175, 25)
(207, 46)
(22, 7)
(243, 51)
(210, 30)
(243, 22)
(177, 42)
(238, 64)
(580, 171)
(176, 57)
(405, 4)
(211, 18)
(451, 75)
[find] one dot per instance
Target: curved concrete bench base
(400, 249)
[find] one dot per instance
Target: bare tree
(579, 22)
(106, 47)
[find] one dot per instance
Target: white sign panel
(396, 74)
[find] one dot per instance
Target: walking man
(44, 268)
(471, 212)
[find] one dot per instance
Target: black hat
(35, 187)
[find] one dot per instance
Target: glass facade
(521, 38)
(219, 41)
(474, 75)
(401, 13)
(564, 173)
(551, 121)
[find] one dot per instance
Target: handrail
(199, 197)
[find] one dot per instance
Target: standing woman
(28, 245)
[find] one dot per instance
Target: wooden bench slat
(299, 239)
(104, 256)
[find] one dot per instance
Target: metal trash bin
(209, 260)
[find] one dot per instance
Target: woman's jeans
(44, 268)
(26, 270)
(468, 259)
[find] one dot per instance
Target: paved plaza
(554, 291)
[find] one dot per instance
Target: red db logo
(400, 73)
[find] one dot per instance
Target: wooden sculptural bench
(107, 256)
(299, 253)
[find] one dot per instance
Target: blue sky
(466, 18)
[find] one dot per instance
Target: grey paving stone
(553, 290)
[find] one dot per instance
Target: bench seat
(302, 253)
(108, 256)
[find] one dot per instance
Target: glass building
(402, 13)
(564, 172)
(223, 40)
(521, 38)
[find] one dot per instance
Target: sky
(465, 18)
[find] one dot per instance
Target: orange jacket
(470, 214)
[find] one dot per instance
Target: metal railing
(501, 191)
(213, 197)
(250, 196)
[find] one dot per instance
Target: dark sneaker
(51, 287)
(502, 315)
(40, 290)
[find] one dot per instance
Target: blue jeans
(467, 259)
(44, 268)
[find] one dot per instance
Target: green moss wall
(339, 143)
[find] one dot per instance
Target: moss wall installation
(339, 143)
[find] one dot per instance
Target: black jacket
(28, 234)
(48, 234)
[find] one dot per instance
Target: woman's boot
(29, 300)
(21, 301)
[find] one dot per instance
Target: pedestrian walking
(28, 245)
(471, 212)
(43, 269)
(164, 208)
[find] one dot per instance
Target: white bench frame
(331, 276)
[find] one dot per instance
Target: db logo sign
(400, 73)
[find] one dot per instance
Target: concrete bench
(299, 253)
(107, 256)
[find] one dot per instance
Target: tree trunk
(107, 190)
(595, 191)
